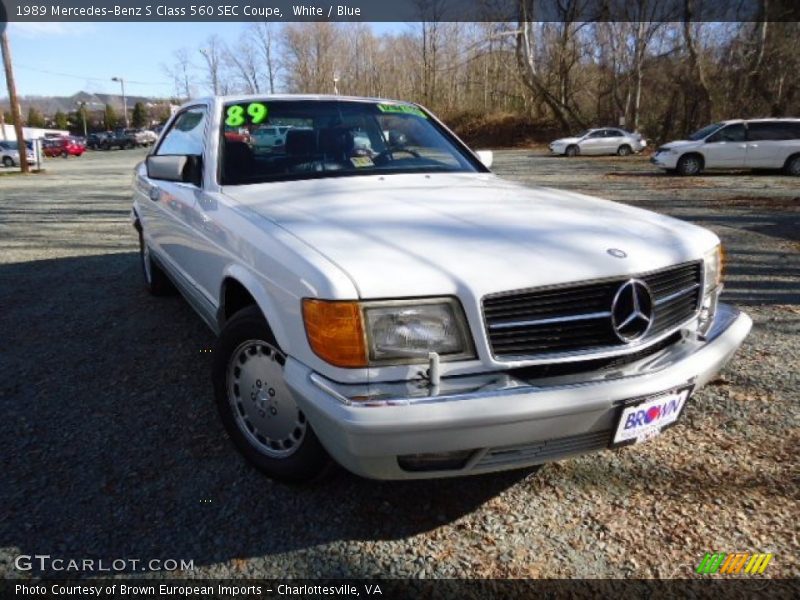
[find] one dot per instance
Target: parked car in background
(121, 138)
(9, 154)
(608, 140)
(266, 139)
(96, 141)
(735, 144)
(63, 147)
(143, 137)
(399, 308)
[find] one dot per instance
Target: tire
(572, 150)
(624, 150)
(155, 280)
(690, 164)
(256, 406)
(64, 154)
(8, 161)
(792, 166)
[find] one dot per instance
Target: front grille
(577, 317)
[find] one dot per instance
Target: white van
(751, 144)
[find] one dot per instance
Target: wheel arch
(241, 288)
(790, 158)
(696, 153)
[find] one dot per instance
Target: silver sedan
(609, 140)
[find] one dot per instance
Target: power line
(56, 73)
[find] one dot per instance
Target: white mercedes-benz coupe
(383, 300)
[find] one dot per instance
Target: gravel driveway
(112, 447)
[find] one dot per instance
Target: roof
(246, 97)
(762, 120)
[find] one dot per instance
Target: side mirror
(486, 157)
(184, 169)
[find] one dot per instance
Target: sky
(60, 59)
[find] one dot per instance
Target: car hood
(679, 144)
(467, 234)
(567, 140)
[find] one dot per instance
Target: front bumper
(498, 420)
(665, 160)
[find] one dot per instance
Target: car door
(768, 144)
(613, 138)
(726, 148)
(593, 142)
(169, 212)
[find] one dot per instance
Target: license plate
(646, 419)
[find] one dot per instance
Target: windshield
(278, 140)
(705, 132)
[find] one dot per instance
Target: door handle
(155, 194)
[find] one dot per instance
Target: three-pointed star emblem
(632, 310)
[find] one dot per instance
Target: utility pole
(82, 109)
(14, 101)
(124, 100)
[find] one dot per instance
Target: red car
(64, 147)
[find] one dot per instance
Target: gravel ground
(112, 447)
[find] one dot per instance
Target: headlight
(713, 262)
(360, 334)
(410, 332)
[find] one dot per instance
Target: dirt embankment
(502, 130)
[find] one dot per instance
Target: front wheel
(256, 405)
(624, 150)
(8, 161)
(572, 150)
(64, 154)
(689, 165)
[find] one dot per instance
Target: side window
(613, 133)
(731, 133)
(775, 130)
(185, 136)
(596, 134)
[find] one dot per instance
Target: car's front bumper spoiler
(504, 421)
(664, 160)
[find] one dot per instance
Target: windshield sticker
(362, 161)
(405, 109)
(237, 115)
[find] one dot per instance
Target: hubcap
(794, 167)
(692, 166)
(262, 405)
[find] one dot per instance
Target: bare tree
(265, 36)
(213, 52)
(181, 73)
(244, 65)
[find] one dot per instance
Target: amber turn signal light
(335, 331)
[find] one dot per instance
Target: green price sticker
(405, 109)
(238, 114)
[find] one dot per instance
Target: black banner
(400, 10)
(391, 589)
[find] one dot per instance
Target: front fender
(264, 300)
